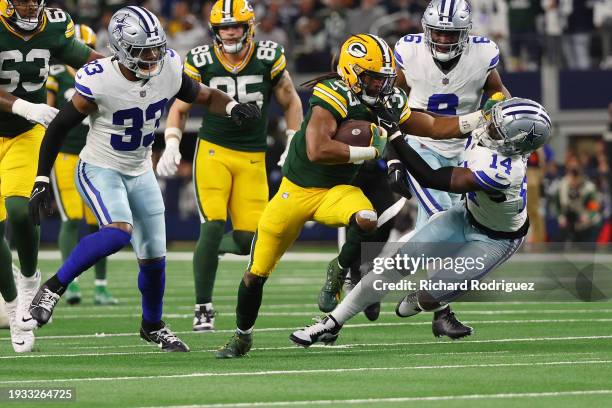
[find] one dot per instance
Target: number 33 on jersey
(250, 81)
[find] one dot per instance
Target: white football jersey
(455, 93)
(503, 206)
(122, 130)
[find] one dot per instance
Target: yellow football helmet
(86, 35)
(231, 13)
(367, 65)
(8, 11)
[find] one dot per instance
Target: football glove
(34, 112)
(244, 111)
(386, 119)
(170, 159)
(379, 139)
(39, 199)
(397, 177)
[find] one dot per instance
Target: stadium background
(558, 52)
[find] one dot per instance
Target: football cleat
(22, 340)
(238, 346)
(73, 293)
(325, 331)
(408, 306)
(204, 319)
(44, 302)
(372, 312)
(330, 292)
(27, 288)
(446, 324)
(102, 297)
(164, 338)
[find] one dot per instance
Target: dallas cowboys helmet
(518, 126)
(454, 17)
(138, 41)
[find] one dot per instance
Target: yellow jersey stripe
(341, 99)
(52, 84)
(332, 102)
(279, 61)
(192, 72)
(69, 30)
(278, 69)
(405, 115)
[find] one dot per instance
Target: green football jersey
(61, 83)
(250, 81)
(24, 62)
(334, 96)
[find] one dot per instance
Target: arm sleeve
(189, 90)
(66, 119)
(439, 179)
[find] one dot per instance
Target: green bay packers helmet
(25, 23)
(86, 35)
(367, 65)
(233, 13)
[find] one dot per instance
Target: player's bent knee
(243, 240)
(367, 220)
(252, 280)
(123, 226)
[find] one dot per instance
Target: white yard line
(302, 372)
(339, 402)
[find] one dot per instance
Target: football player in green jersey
(72, 208)
(229, 168)
(318, 170)
(30, 35)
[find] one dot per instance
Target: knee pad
(366, 220)
(243, 239)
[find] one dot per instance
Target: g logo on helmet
(357, 50)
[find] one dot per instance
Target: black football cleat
(164, 338)
(45, 300)
(372, 312)
(446, 324)
(325, 331)
(237, 346)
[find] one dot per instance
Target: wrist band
(469, 122)
(173, 132)
(359, 154)
(230, 105)
(44, 179)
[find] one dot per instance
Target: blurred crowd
(576, 34)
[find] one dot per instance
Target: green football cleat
(238, 346)
(102, 297)
(330, 292)
(73, 293)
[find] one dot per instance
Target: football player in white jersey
(124, 97)
(493, 221)
(445, 71)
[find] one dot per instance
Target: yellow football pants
(69, 202)
(227, 179)
(285, 215)
(18, 164)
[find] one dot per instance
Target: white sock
(100, 282)
(207, 306)
(11, 307)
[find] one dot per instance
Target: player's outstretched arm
(452, 179)
(70, 116)
(34, 112)
(441, 127)
(289, 100)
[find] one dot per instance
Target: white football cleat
(408, 306)
(22, 340)
(26, 290)
(325, 331)
(204, 318)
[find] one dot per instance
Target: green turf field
(544, 354)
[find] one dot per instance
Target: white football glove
(283, 157)
(34, 112)
(170, 159)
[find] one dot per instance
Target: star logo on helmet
(120, 25)
(531, 135)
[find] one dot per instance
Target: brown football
(354, 132)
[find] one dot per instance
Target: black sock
(249, 301)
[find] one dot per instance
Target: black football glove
(244, 111)
(398, 179)
(39, 199)
(386, 119)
